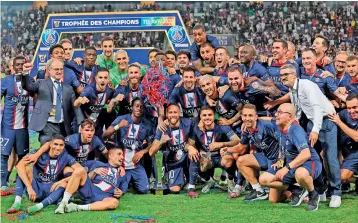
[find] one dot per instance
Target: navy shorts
(175, 173)
(263, 161)
(89, 193)
(42, 190)
(139, 177)
(351, 162)
(17, 138)
(314, 168)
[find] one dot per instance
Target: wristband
(116, 127)
(288, 166)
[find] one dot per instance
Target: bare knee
(301, 174)
(79, 172)
(346, 175)
(264, 180)
(226, 163)
(175, 188)
(113, 204)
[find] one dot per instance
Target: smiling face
(221, 57)
(102, 79)
(208, 86)
(107, 47)
(207, 53)
(170, 62)
(309, 60)
(115, 157)
(68, 50)
(287, 77)
(235, 80)
(56, 147)
(122, 60)
(189, 80)
(183, 61)
(249, 117)
(134, 75)
(318, 46)
(56, 70)
(137, 108)
(352, 108)
(173, 115)
(340, 63)
(199, 36)
(352, 68)
(207, 116)
(278, 52)
(246, 55)
(18, 65)
(58, 53)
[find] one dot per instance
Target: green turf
(213, 207)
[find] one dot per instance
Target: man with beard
(188, 95)
(151, 56)
(81, 146)
(183, 60)
(319, 127)
(93, 99)
(207, 52)
(99, 190)
(200, 37)
(179, 152)
(347, 121)
(301, 161)
(44, 182)
(311, 72)
(14, 121)
(340, 64)
(133, 129)
(210, 139)
(352, 69)
(261, 134)
(106, 59)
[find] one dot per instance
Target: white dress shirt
(311, 101)
(54, 100)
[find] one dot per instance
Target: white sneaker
(71, 207)
(323, 197)
(335, 201)
(230, 186)
(209, 184)
(61, 208)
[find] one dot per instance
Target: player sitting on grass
(211, 137)
(43, 182)
(99, 190)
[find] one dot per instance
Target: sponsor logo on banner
(56, 23)
(50, 37)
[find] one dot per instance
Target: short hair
(199, 26)
(87, 122)
(351, 96)
(122, 51)
(325, 40)
(291, 67)
(250, 106)
(90, 48)
(173, 104)
(282, 41)
(171, 52)
(18, 58)
(221, 47)
(233, 69)
(51, 61)
(58, 136)
(102, 69)
(112, 148)
(206, 76)
(107, 38)
(184, 52)
(152, 50)
(291, 44)
(189, 69)
(160, 53)
(53, 47)
(252, 48)
(206, 107)
(65, 41)
(136, 99)
(352, 58)
(134, 65)
(310, 50)
(206, 44)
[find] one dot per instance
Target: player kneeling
(302, 163)
(43, 182)
(99, 189)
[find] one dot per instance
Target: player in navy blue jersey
(135, 135)
(260, 134)
(45, 183)
(183, 61)
(324, 79)
(81, 146)
(188, 95)
(340, 64)
(14, 121)
(93, 99)
(86, 72)
(99, 189)
(352, 69)
(301, 162)
(347, 121)
(178, 144)
(222, 61)
(207, 53)
(210, 138)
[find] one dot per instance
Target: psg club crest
(176, 34)
(49, 37)
(42, 58)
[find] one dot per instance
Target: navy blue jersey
(253, 96)
(351, 123)
(108, 184)
(195, 48)
(274, 73)
(129, 95)
(264, 138)
(220, 133)
(190, 101)
(352, 87)
(83, 152)
(97, 100)
(223, 72)
(174, 80)
(49, 170)
(69, 77)
(86, 76)
(255, 70)
(132, 137)
(179, 137)
(226, 106)
(16, 103)
(326, 85)
(329, 67)
(293, 141)
(344, 80)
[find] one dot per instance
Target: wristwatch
(288, 166)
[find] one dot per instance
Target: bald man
(299, 162)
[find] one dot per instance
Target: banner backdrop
(56, 24)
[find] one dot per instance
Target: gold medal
(280, 163)
(53, 112)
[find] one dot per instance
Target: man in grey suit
(54, 110)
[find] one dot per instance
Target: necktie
(58, 115)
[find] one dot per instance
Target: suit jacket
(44, 104)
